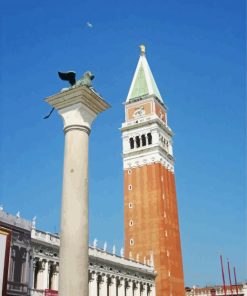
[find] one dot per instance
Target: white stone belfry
(78, 107)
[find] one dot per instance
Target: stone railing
(17, 288)
(217, 291)
(45, 237)
(15, 220)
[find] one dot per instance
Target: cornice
(146, 122)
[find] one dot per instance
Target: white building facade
(109, 274)
(239, 290)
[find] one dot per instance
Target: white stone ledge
(126, 263)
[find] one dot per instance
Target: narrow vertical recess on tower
(147, 152)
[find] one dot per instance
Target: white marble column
(54, 285)
(78, 107)
(55, 277)
(152, 291)
(143, 289)
(103, 285)
(113, 287)
(121, 287)
(46, 276)
(93, 284)
(129, 288)
(135, 289)
(40, 275)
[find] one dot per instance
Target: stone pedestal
(78, 107)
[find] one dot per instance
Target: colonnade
(44, 274)
(103, 284)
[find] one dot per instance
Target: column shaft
(93, 285)
(121, 288)
(113, 287)
(74, 240)
(103, 286)
(129, 290)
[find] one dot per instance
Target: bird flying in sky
(89, 25)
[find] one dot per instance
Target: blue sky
(196, 50)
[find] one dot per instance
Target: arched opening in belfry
(149, 138)
(138, 142)
(144, 142)
(132, 143)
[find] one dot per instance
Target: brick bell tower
(151, 223)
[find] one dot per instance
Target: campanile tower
(150, 206)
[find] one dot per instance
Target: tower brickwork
(151, 223)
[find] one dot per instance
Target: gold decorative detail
(143, 50)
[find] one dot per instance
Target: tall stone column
(78, 107)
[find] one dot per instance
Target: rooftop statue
(70, 76)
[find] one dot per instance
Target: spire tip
(143, 49)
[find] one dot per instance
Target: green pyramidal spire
(143, 83)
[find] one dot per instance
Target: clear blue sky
(196, 50)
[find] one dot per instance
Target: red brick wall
(155, 224)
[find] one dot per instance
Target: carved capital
(42, 264)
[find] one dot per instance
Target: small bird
(89, 25)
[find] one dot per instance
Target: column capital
(78, 106)
(120, 281)
(92, 276)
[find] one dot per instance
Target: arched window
(144, 142)
(132, 143)
(149, 138)
(138, 142)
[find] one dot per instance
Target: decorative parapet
(241, 290)
(46, 237)
(120, 261)
(53, 240)
(15, 221)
